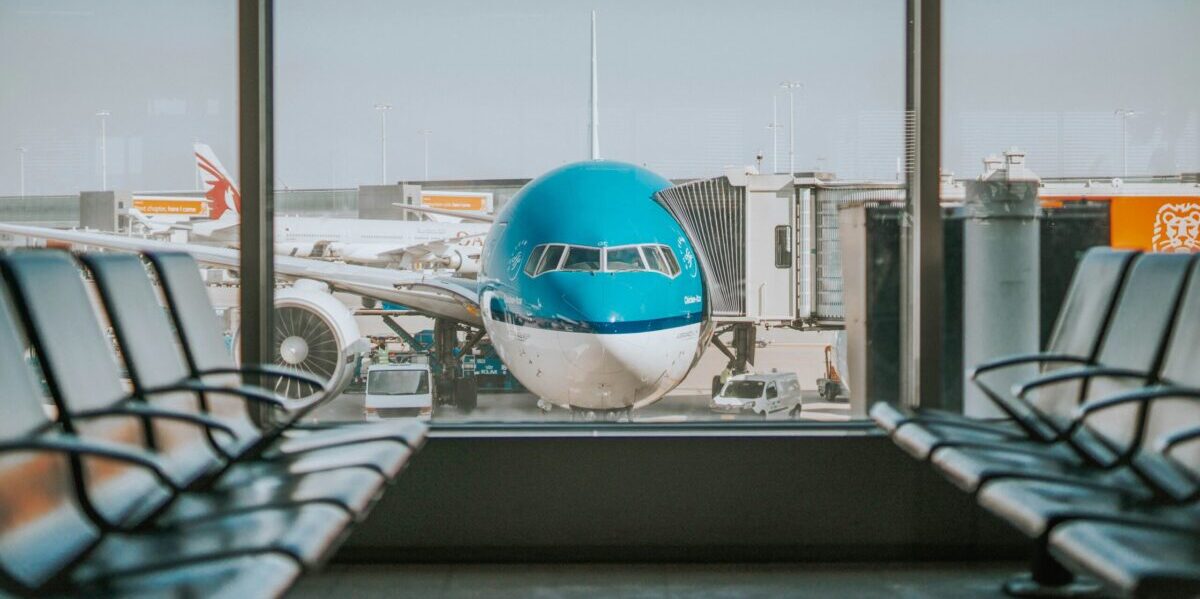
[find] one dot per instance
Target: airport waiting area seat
(1098, 462)
(162, 484)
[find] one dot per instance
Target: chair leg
(1049, 578)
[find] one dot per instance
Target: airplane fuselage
(590, 291)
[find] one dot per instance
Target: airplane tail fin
(594, 122)
(225, 202)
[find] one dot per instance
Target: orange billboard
(446, 200)
(1156, 224)
(173, 206)
(1150, 223)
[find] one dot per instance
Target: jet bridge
(769, 244)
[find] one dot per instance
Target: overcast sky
(686, 87)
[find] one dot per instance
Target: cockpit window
(627, 258)
(551, 259)
(582, 258)
(535, 257)
(654, 259)
(672, 264)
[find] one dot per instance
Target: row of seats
(1097, 456)
(164, 471)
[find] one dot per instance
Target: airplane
(590, 291)
(389, 243)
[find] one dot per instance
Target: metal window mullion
(256, 162)
(926, 263)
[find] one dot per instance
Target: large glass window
(355, 150)
(1067, 145)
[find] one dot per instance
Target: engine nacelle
(461, 262)
(315, 333)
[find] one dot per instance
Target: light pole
(21, 156)
(791, 87)
(774, 127)
(383, 110)
(1124, 114)
(425, 133)
(103, 114)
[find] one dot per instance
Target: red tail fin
(221, 192)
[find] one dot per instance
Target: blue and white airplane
(589, 290)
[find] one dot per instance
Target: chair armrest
(1172, 440)
(1017, 360)
(1078, 374)
(269, 370)
(132, 409)
(1141, 396)
(253, 394)
(74, 446)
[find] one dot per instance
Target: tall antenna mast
(594, 124)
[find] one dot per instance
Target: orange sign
(178, 206)
(443, 201)
(1151, 223)
(1156, 224)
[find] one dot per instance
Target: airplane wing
(483, 218)
(436, 247)
(434, 296)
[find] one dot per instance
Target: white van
(399, 390)
(773, 395)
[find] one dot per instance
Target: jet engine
(462, 262)
(315, 333)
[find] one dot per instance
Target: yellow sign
(174, 206)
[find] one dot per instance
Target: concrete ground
(498, 581)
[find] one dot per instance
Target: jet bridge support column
(744, 338)
(1000, 274)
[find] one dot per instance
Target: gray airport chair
(1075, 340)
(155, 360)
(1158, 427)
(210, 363)
(1135, 560)
(49, 542)
(49, 293)
(1129, 358)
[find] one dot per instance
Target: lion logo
(1177, 228)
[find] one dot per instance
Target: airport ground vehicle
(763, 395)
(399, 390)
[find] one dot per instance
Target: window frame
(783, 252)
(922, 51)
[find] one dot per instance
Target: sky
(686, 87)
